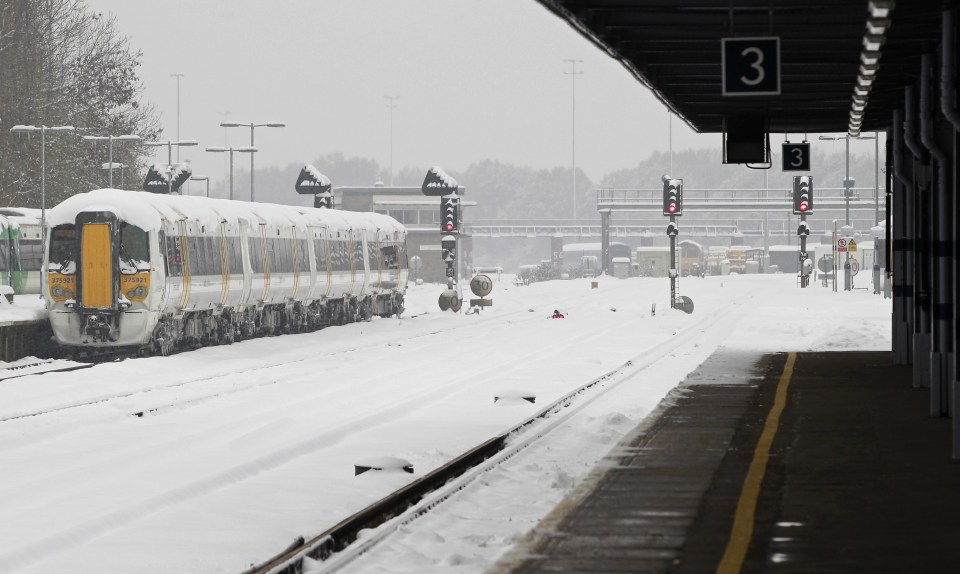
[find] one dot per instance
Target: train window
(270, 259)
(236, 255)
(199, 261)
(276, 256)
(286, 250)
(389, 254)
(174, 256)
(323, 254)
(193, 256)
(134, 249)
(302, 253)
(358, 254)
(285, 247)
(5, 244)
(256, 255)
(373, 256)
(214, 262)
(334, 254)
(63, 249)
(342, 263)
(31, 254)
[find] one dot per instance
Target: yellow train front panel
(96, 266)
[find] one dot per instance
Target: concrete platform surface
(844, 471)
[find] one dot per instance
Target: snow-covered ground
(215, 459)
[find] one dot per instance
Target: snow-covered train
(158, 272)
(21, 252)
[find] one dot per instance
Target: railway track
(362, 409)
(425, 338)
(339, 546)
(41, 368)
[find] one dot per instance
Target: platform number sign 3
(796, 156)
(751, 66)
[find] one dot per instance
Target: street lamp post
(202, 178)
(178, 76)
(43, 172)
(110, 139)
(170, 144)
(112, 166)
(573, 73)
(392, 105)
(251, 149)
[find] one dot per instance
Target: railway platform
(808, 462)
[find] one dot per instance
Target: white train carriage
(29, 250)
(158, 272)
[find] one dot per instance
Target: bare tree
(61, 64)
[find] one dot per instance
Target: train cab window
(63, 249)
(134, 249)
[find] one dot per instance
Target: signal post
(438, 183)
(802, 205)
(673, 207)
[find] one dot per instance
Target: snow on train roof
(148, 210)
(22, 215)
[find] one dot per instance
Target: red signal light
(672, 208)
(449, 227)
(804, 206)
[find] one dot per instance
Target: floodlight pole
(43, 173)
(392, 105)
(110, 139)
(251, 149)
(573, 73)
(178, 76)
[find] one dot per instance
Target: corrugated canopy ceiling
(674, 48)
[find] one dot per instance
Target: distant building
(421, 216)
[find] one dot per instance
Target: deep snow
(211, 460)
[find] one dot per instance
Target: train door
(298, 261)
(182, 244)
(98, 272)
(225, 260)
(368, 263)
(246, 255)
(378, 254)
(351, 260)
(327, 267)
(262, 245)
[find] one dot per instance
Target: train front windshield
(63, 249)
(134, 249)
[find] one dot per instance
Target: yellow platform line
(743, 521)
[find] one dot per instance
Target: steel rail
(421, 495)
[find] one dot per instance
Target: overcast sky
(476, 79)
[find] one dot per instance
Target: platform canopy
(674, 48)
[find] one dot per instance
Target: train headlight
(138, 292)
(61, 293)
